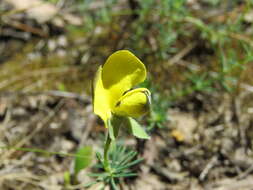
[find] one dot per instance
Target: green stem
(106, 154)
(113, 125)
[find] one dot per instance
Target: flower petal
(133, 103)
(101, 104)
(121, 72)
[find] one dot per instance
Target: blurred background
(198, 54)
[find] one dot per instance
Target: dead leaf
(35, 9)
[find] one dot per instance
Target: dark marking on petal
(148, 96)
(127, 91)
(118, 104)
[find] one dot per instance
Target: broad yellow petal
(133, 103)
(121, 72)
(101, 104)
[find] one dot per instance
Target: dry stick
(247, 87)
(31, 179)
(181, 54)
(241, 127)
(26, 28)
(6, 120)
(87, 129)
(65, 94)
(208, 167)
(245, 173)
(17, 11)
(11, 176)
(234, 184)
(37, 129)
(166, 173)
(22, 26)
(241, 37)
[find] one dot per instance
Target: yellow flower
(112, 88)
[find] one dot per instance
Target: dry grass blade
(41, 72)
(36, 130)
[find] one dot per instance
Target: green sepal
(113, 126)
(111, 130)
(136, 129)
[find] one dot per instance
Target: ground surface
(202, 122)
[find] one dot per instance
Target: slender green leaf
(126, 175)
(99, 157)
(41, 151)
(83, 162)
(114, 186)
(98, 174)
(128, 157)
(90, 184)
(67, 178)
(129, 165)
